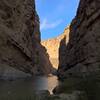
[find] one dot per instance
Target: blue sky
(55, 15)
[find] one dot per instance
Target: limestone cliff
(83, 49)
(52, 46)
(19, 31)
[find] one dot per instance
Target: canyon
(74, 53)
(22, 52)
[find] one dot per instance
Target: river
(25, 87)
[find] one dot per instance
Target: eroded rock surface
(16, 27)
(19, 31)
(83, 49)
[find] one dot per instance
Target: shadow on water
(89, 86)
(26, 88)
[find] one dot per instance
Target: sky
(55, 15)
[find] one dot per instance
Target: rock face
(42, 64)
(19, 31)
(52, 46)
(83, 49)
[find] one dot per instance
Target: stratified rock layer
(83, 49)
(19, 31)
(52, 46)
(16, 27)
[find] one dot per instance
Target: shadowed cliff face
(40, 57)
(83, 49)
(62, 53)
(19, 31)
(16, 27)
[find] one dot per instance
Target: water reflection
(52, 83)
(45, 83)
(27, 87)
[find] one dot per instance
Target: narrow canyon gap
(55, 51)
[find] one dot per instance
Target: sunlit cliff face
(53, 46)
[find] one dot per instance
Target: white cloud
(47, 25)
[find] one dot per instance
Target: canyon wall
(19, 31)
(40, 57)
(83, 49)
(52, 46)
